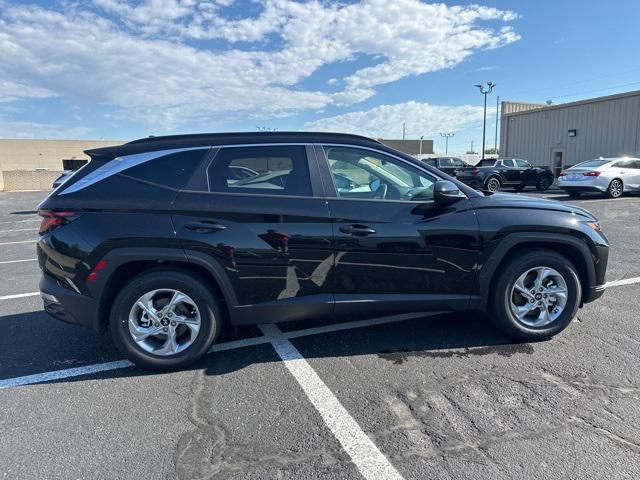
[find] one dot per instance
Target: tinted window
(261, 170)
(486, 163)
(457, 162)
(446, 162)
(365, 174)
(507, 163)
(592, 163)
(432, 161)
(173, 171)
(522, 164)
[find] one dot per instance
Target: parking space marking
(369, 460)
(18, 230)
(62, 374)
(19, 295)
(624, 281)
(19, 261)
(13, 243)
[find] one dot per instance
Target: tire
(493, 184)
(504, 292)
(198, 307)
(615, 189)
(543, 183)
(518, 188)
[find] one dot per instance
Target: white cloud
(16, 129)
(145, 59)
(386, 121)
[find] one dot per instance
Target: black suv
(448, 165)
(167, 240)
(492, 174)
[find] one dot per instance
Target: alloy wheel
(164, 322)
(538, 297)
(615, 188)
(493, 185)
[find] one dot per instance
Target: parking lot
(426, 396)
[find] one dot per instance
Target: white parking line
(13, 243)
(19, 230)
(624, 281)
(19, 261)
(19, 295)
(370, 461)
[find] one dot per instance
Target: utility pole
(485, 92)
(421, 138)
(446, 137)
(404, 131)
(495, 142)
(471, 146)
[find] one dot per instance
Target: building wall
(43, 154)
(411, 147)
(605, 126)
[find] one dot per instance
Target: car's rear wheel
(536, 295)
(493, 184)
(615, 189)
(165, 320)
(543, 183)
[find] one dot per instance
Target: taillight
(591, 174)
(563, 174)
(53, 220)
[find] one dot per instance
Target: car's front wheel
(536, 295)
(165, 319)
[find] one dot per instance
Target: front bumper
(67, 305)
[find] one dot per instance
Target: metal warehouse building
(559, 136)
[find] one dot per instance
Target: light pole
(446, 141)
(485, 92)
(495, 142)
(421, 138)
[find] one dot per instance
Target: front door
(263, 222)
(395, 249)
(557, 161)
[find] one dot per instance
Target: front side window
(268, 170)
(507, 163)
(364, 174)
(446, 162)
(457, 162)
(522, 164)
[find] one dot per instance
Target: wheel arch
(124, 264)
(574, 249)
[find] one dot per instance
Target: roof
(545, 108)
(237, 138)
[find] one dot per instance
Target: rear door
(396, 250)
(260, 219)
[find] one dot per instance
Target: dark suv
(492, 174)
(167, 240)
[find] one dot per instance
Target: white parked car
(610, 176)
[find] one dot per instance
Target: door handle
(357, 230)
(205, 226)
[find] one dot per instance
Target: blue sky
(123, 69)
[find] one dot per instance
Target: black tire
(544, 183)
(189, 284)
(515, 266)
(518, 188)
(615, 189)
(493, 184)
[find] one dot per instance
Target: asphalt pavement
(423, 396)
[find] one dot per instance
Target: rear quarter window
(171, 171)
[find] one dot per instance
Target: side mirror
(446, 192)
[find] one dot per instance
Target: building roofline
(544, 107)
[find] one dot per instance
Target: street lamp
(422, 137)
(446, 141)
(485, 92)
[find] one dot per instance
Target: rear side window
(277, 170)
(171, 171)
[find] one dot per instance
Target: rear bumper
(67, 305)
(581, 188)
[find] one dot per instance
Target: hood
(506, 200)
